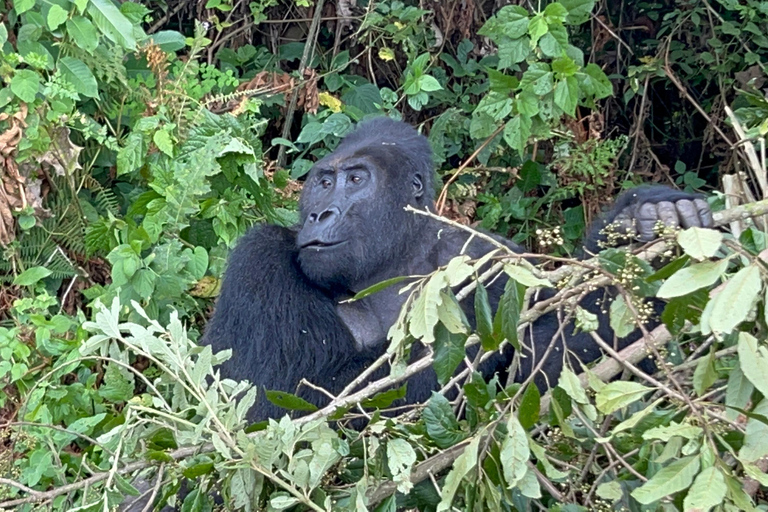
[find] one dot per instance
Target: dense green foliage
(139, 141)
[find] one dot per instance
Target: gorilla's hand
(638, 214)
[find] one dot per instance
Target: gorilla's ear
(418, 186)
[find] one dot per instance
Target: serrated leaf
(31, 276)
(707, 491)
(734, 302)
(669, 480)
(537, 27)
(25, 84)
(78, 74)
(692, 278)
(578, 10)
(516, 133)
(700, 243)
(567, 95)
(56, 16)
(163, 141)
(617, 395)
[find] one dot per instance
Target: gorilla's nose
(324, 216)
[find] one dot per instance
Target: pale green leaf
(734, 302)
(524, 276)
(25, 84)
(21, 6)
(567, 95)
(700, 243)
(692, 278)
(707, 491)
(461, 466)
(571, 384)
(622, 319)
(514, 452)
(83, 33)
(56, 16)
(617, 395)
(401, 458)
(753, 360)
(163, 141)
(669, 480)
(684, 430)
(31, 276)
(429, 83)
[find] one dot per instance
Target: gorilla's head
(353, 221)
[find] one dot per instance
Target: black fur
(279, 303)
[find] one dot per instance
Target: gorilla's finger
(623, 223)
(689, 216)
(705, 214)
(646, 221)
(668, 214)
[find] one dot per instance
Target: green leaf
(484, 319)
(83, 33)
(31, 276)
(461, 466)
(594, 82)
(684, 430)
(567, 95)
(198, 262)
(25, 84)
(755, 444)
(21, 6)
(692, 278)
(700, 243)
(378, 287)
(705, 374)
(622, 319)
(513, 51)
(753, 360)
(515, 452)
(130, 157)
(738, 391)
(112, 23)
(578, 10)
(429, 83)
(78, 74)
(555, 12)
(169, 41)
(289, 401)
(617, 395)
(530, 407)
(537, 27)
(511, 21)
(516, 133)
(734, 302)
(669, 480)
(56, 16)
(143, 281)
(449, 353)
(441, 423)
(116, 387)
(163, 141)
(564, 66)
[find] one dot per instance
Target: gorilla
(282, 305)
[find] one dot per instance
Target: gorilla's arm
(280, 328)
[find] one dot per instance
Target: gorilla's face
(352, 217)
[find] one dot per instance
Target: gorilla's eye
(325, 183)
(356, 179)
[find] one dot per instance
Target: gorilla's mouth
(317, 245)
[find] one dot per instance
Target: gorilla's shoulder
(266, 243)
